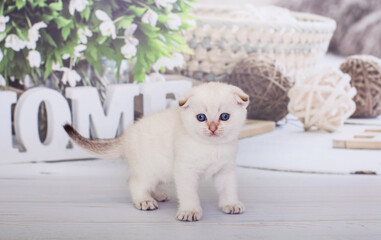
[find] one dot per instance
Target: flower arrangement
(41, 39)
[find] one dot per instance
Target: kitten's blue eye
(224, 116)
(201, 117)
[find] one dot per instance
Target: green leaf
(20, 4)
(114, 4)
(9, 9)
(3, 64)
(22, 34)
(101, 39)
(159, 47)
(2, 8)
(108, 52)
(57, 6)
(65, 32)
(139, 11)
(48, 66)
(86, 13)
(48, 38)
(92, 50)
(41, 3)
(186, 49)
(138, 73)
(141, 57)
(2, 36)
(62, 22)
(10, 54)
(148, 30)
(124, 22)
(94, 62)
(177, 38)
(162, 18)
(58, 58)
(47, 18)
(151, 56)
(118, 64)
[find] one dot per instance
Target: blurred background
(358, 22)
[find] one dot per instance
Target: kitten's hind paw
(234, 208)
(146, 205)
(188, 215)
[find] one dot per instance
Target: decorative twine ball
(322, 99)
(365, 72)
(263, 79)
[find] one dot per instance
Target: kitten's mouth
(214, 134)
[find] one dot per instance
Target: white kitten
(197, 139)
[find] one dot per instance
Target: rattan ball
(322, 99)
(265, 81)
(365, 72)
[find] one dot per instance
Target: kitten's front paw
(233, 208)
(149, 204)
(189, 215)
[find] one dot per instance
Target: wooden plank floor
(89, 200)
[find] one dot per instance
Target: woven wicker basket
(220, 42)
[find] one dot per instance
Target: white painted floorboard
(90, 200)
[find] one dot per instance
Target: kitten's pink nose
(213, 127)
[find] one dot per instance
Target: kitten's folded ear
(241, 97)
(184, 100)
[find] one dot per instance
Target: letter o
(26, 121)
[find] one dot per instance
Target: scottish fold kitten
(197, 139)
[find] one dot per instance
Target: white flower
(1, 55)
(78, 5)
(169, 7)
(34, 35)
(56, 66)
(14, 42)
(28, 82)
(130, 30)
(150, 17)
(79, 49)
(128, 33)
(34, 58)
(192, 23)
(164, 3)
(3, 22)
(132, 40)
(101, 15)
(77, 53)
(161, 62)
(3, 83)
(83, 33)
(154, 77)
(174, 21)
(176, 61)
(31, 45)
(107, 27)
(66, 56)
(70, 76)
(128, 50)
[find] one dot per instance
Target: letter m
(102, 121)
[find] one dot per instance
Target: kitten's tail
(101, 148)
